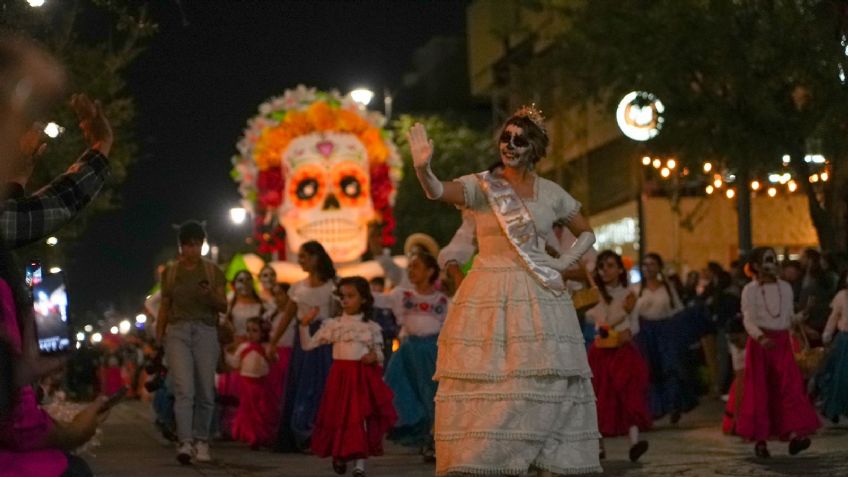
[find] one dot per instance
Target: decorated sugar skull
(328, 194)
(315, 166)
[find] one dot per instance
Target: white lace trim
(514, 339)
(500, 435)
(584, 398)
(519, 373)
(479, 470)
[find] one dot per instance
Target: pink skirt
(110, 380)
(774, 403)
(620, 377)
(279, 372)
(258, 414)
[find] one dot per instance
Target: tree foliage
(459, 150)
(743, 81)
(96, 41)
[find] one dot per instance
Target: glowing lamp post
(362, 96)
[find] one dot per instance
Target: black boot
(798, 444)
(761, 450)
(637, 450)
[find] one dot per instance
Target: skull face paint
(243, 284)
(768, 265)
(514, 147)
(327, 194)
(268, 277)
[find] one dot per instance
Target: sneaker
(201, 451)
(184, 452)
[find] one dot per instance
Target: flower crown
(533, 114)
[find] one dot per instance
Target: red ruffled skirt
(774, 403)
(621, 380)
(258, 414)
(355, 414)
(728, 422)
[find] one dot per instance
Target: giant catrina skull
(327, 194)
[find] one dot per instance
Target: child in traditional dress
(619, 372)
(356, 409)
(774, 403)
(420, 312)
(834, 381)
(257, 417)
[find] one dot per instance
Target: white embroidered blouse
(351, 337)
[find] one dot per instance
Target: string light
(792, 186)
(718, 183)
(710, 189)
(646, 161)
(657, 163)
(755, 185)
(824, 176)
(730, 193)
(772, 191)
(814, 178)
(708, 167)
(671, 164)
(665, 172)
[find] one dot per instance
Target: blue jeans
(192, 349)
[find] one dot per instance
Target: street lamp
(362, 96)
(53, 130)
(238, 215)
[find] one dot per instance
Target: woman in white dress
(515, 391)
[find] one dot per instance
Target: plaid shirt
(26, 220)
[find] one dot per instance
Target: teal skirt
(410, 376)
(833, 380)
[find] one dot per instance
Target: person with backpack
(193, 295)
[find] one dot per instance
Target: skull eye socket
(307, 189)
(351, 187)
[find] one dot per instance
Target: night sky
(195, 87)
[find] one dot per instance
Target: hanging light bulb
(671, 164)
(772, 191)
(792, 186)
(814, 178)
(755, 185)
(708, 166)
(657, 163)
(710, 189)
(824, 176)
(646, 161)
(718, 183)
(665, 172)
(730, 193)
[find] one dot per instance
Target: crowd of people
(496, 369)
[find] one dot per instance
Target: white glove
(431, 184)
(582, 245)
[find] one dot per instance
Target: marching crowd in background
(331, 366)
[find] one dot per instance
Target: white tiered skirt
(515, 389)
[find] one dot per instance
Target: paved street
(695, 447)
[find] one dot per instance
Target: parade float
(314, 165)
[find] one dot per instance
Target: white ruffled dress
(515, 390)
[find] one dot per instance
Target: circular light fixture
(238, 215)
(52, 241)
(362, 96)
(755, 185)
(792, 186)
(113, 330)
(708, 166)
(730, 193)
(671, 164)
(88, 328)
(718, 183)
(96, 338)
(665, 172)
(646, 161)
(710, 189)
(141, 318)
(640, 115)
(657, 163)
(772, 191)
(824, 176)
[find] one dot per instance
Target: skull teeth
(330, 231)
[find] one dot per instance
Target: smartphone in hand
(115, 398)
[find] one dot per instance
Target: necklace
(766, 302)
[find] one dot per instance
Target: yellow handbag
(586, 298)
(809, 358)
